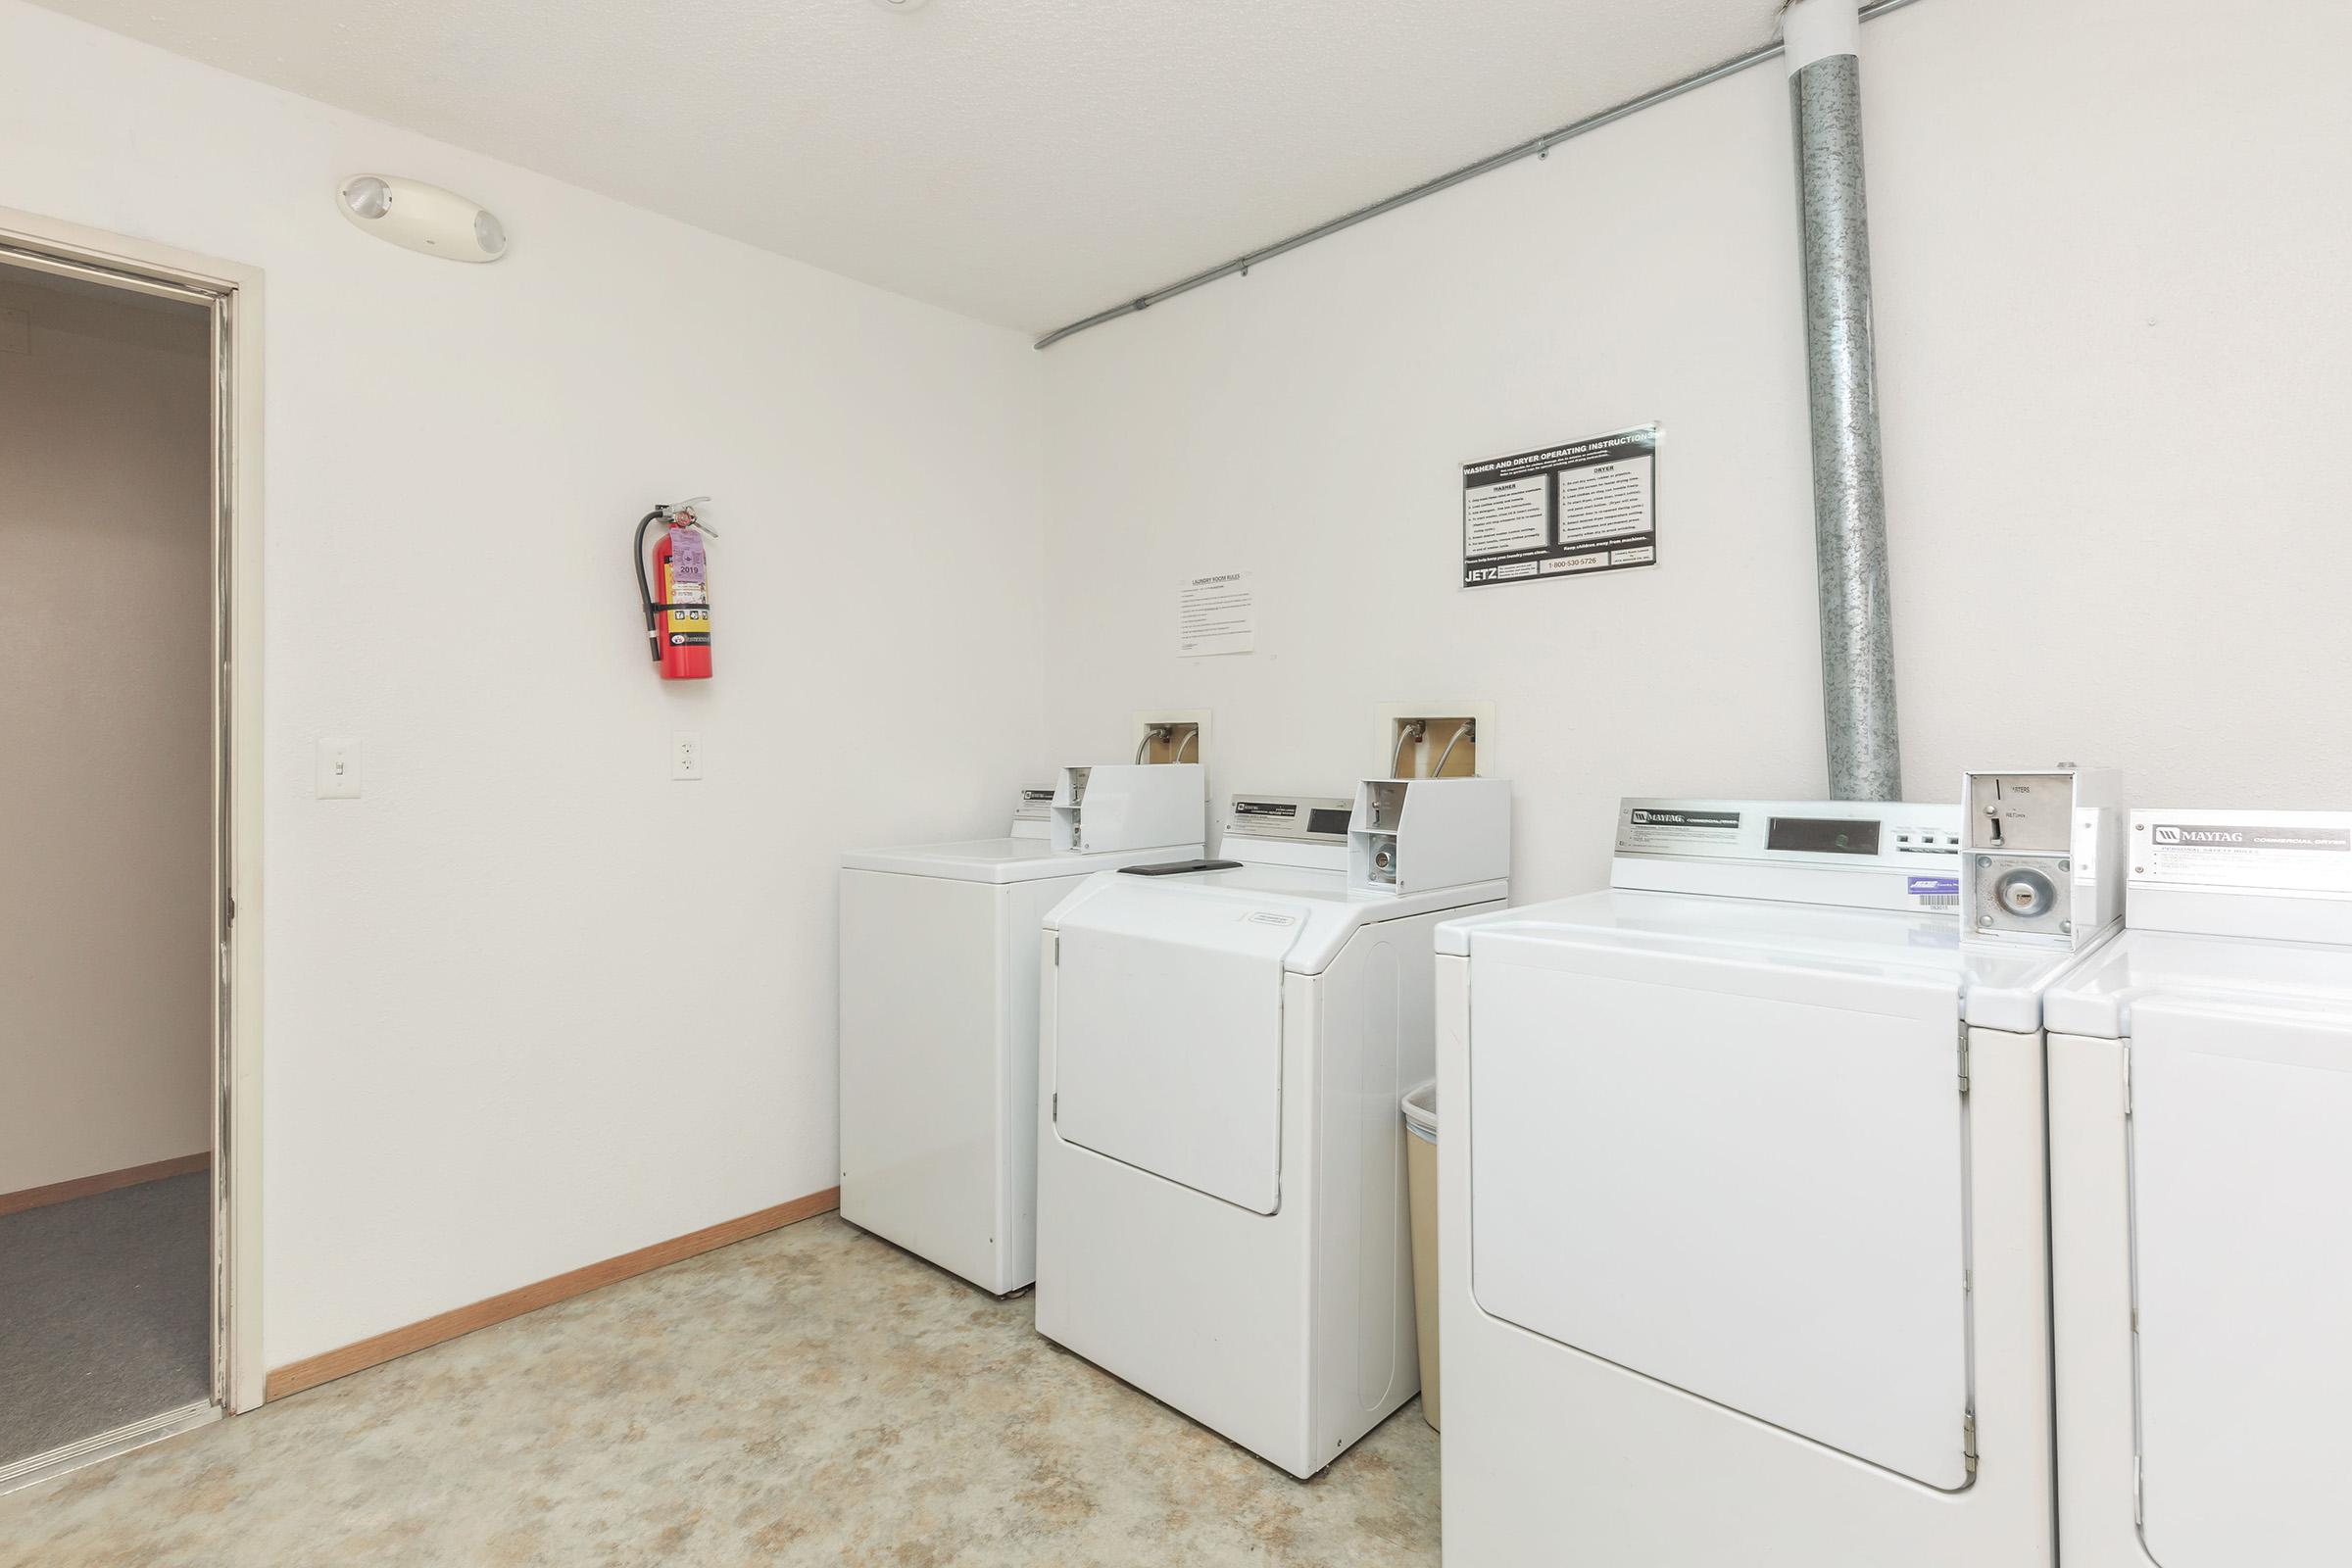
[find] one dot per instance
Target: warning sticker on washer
(1676, 827)
(2307, 851)
(1566, 510)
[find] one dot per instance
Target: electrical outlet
(338, 770)
(686, 755)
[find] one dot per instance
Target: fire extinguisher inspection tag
(687, 564)
(687, 588)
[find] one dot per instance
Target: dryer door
(2241, 1172)
(1168, 1037)
(1744, 1178)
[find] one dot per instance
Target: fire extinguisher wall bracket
(682, 652)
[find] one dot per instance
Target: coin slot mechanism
(2021, 813)
(2043, 853)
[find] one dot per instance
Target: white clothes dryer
(939, 948)
(1743, 1249)
(1221, 1205)
(2201, 1180)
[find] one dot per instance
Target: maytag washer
(1222, 1202)
(2200, 1162)
(939, 946)
(1743, 1249)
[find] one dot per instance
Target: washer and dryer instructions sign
(1563, 511)
(1216, 614)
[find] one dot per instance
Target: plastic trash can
(1421, 1189)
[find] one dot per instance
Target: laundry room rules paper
(1563, 511)
(1216, 614)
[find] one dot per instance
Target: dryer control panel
(1830, 832)
(1305, 831)
(1306, 819)
(1032, 813)
(1866, 854)
(2281, 875)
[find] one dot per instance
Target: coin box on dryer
(2043, 853)
(1117, 805)
(1407, 835)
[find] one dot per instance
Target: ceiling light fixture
(901, 5)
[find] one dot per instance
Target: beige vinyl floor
(813, 1396)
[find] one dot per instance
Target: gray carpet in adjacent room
(103, 1308)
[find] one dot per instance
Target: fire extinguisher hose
(645, 592)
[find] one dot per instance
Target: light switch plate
(338, 777)
(686, 755)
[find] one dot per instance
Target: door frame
(232, 292)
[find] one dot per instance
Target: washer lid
(2000, 986)
(1004, 859)
(2310, 980)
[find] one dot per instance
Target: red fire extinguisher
(677, 624)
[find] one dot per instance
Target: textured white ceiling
(1021, 161)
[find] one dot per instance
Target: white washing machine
(2201, 1180)
(939, 948)
(1743, 1249)
(1221, 1208)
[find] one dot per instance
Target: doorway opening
(129, 1186)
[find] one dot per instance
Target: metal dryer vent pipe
(1822, 40)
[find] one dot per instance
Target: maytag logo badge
(2178, 835)
(1643, 817)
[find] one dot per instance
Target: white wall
(529, 1003)
(2111, 242)
(105, 901)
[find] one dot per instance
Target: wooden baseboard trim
(326, 1366)
(103, 1182)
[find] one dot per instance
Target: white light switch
(686, 755)
(338, 769)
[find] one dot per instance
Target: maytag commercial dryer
(1221, 1205)
(1743, 1249)
(2200, 1183)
